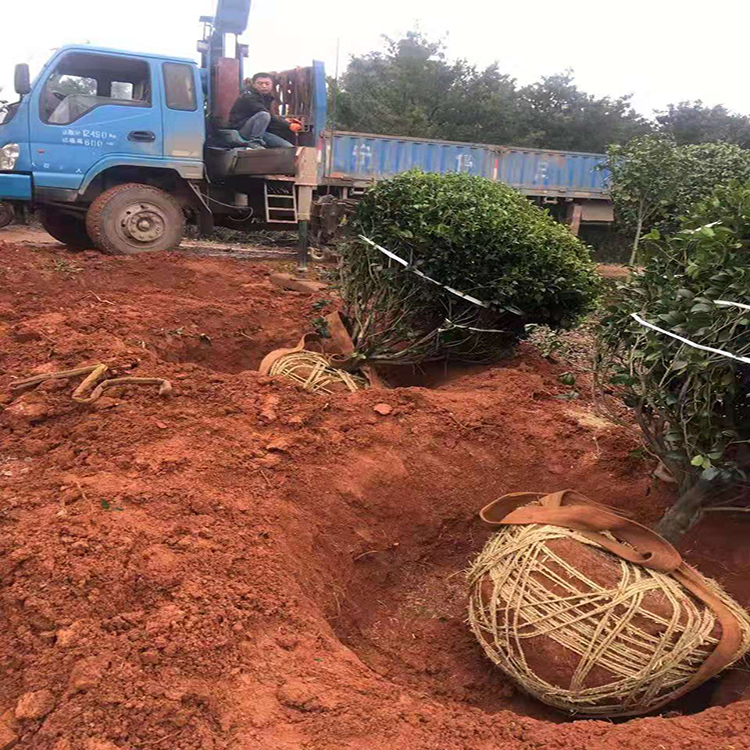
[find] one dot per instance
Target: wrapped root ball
(594, 614)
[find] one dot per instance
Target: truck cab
(93, 109)
(120, 149)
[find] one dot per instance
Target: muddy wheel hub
(143, 223)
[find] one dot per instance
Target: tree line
(411, 88)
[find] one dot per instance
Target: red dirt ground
(248, 566)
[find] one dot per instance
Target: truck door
(91, 106)
(182, 114)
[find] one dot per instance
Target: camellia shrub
(479, 238)
(693, 405)
(656, 183)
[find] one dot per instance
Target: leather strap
(306, 343)
(633, 542)
(340, 345)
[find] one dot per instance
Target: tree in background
(555, 113)
(655, 182)
(643, 183)
(702, 168)
(482, 108)
(411, 89)
(693, 122)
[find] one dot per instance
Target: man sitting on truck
(251, 116)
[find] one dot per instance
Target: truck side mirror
(22, 79)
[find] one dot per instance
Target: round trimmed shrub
(479, 237)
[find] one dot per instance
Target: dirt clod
(86, 674)
(8, 738)
(299, 696)
(36, 705)
(295, 284)
(280, 445)
(28, 409)
(93, 743)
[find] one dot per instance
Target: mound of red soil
(245, 565)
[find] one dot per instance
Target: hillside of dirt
(244, 565)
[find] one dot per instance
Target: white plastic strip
(643, 322)
(724, 303)
(451, 325)
(395, 257)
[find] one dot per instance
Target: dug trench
(245, 565)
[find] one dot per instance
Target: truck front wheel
(65, 227)
(133, 218)
(6, 214)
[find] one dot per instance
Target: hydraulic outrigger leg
(303, 218)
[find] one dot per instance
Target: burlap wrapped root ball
(590, 633)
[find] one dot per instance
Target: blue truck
(120, 150)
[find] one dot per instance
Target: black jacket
(250, 103)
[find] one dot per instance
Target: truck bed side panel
(360, 158)
(561, 173)
(363, 157)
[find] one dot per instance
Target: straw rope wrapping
(535, 592)
(313, 372)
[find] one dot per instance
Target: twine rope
(314, 373)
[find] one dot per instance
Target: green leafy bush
(478, 237)
(704, 167)
(692, 405)
(655, 182)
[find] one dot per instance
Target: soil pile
(244, 565)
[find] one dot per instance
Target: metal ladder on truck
(281, 208)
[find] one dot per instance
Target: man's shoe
(255, 145)
(228, 138)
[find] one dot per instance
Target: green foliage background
(410, 87)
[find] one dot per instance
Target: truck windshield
(82, 81)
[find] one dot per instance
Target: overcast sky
(661, 51)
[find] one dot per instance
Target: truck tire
(65, 227)
(7, 214)
(133, 218)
